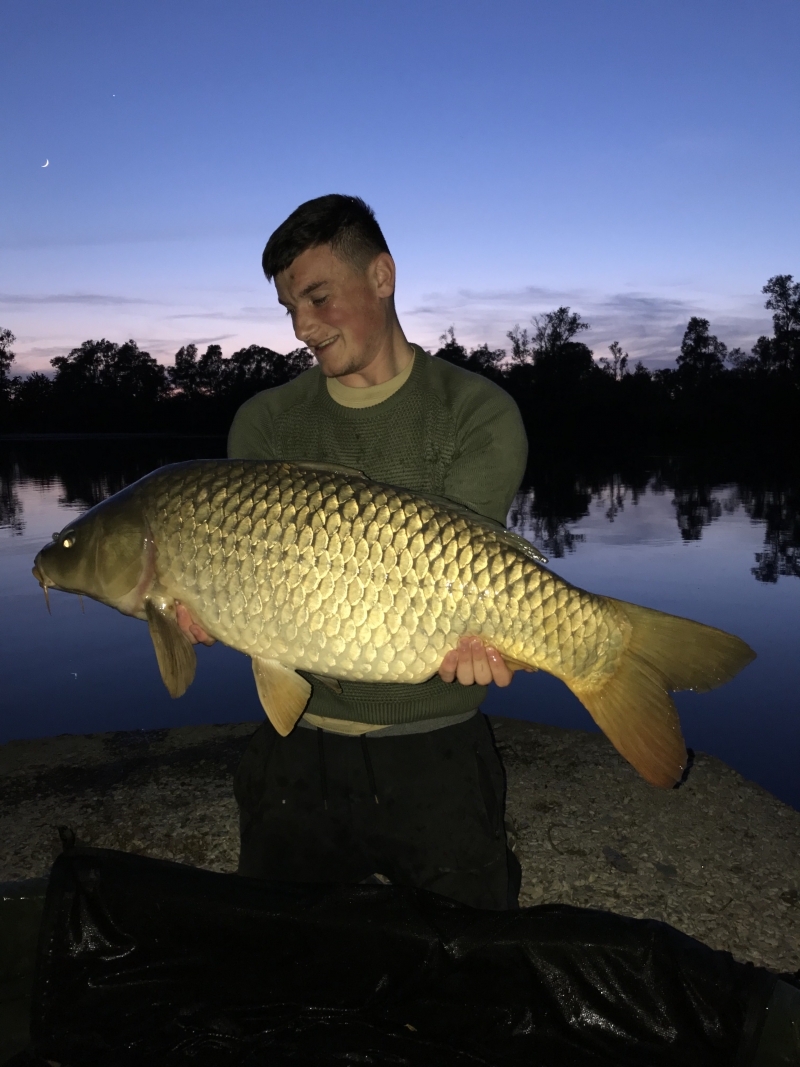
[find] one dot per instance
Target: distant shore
(89, 435)
(718, 858)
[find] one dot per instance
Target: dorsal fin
(331, 468)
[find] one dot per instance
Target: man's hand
(195, 633)
(473, 663)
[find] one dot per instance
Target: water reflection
(10, 505)
(546, 512)
(779, 509)
(556, 500)
(87, 470)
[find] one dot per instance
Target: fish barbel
(316, 567)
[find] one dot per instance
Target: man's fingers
(502, 674)
(481, 668)
(465, 671)
(472, 663)
(200, 636)
(447, 671)
(195, 633)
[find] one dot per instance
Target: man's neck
(391, 359)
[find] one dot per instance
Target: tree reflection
(542, 513)
(695, 508)
(779, 509)
(10, 503)
(88, 470)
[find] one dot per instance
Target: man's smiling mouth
(324, 344)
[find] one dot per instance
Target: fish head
(105, 554)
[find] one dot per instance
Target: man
(400, 781)
(396, 781)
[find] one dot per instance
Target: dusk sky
(636, 160)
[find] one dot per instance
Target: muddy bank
(718, 858)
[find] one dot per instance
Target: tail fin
(633, 706)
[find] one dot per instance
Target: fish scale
(345, 577)
(317, 568)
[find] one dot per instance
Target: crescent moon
(46, 163)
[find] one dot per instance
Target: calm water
(727, 554)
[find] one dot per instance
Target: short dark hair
(346, 223)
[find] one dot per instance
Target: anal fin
(174, 651)
(283, 693)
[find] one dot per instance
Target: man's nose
(304, 325)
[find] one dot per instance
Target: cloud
(646, 308)
(46, 353)
(212, 340)
(245, 314)
(529, 296)
(86, 299)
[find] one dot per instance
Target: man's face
(338, 312)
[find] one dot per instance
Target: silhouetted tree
(781, 352)
(195, 377)
(7, 357)
(103, 370)
(254, 368)
(521, 350)
(33, 403)
(553, 331)
(559, 362)
(108, 386)
(482, 360)
(617, 366)
(702, 355)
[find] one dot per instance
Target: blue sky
(637, 160)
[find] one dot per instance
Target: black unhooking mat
(147, 962)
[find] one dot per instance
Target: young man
(403, 781)
(398, 781)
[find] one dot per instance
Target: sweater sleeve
(490, 456)
(250, 435)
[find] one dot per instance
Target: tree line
(567, 397)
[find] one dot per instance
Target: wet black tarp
(145, 962)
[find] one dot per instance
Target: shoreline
(718, 858)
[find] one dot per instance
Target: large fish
(319, 568)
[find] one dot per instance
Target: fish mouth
(44, 582)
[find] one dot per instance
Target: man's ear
(382, 274)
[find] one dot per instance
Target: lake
(714, 543)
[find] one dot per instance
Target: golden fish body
(338, 575)
(321, 569)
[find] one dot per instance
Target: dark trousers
(424, 810)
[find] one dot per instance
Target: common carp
(316, 567)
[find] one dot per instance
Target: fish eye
(68, 540)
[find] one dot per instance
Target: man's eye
(318, 301)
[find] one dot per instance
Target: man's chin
(334, 369)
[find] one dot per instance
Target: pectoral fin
(174, 650)
(282, 692)
(332, 683)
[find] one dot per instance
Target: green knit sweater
(447, 432)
